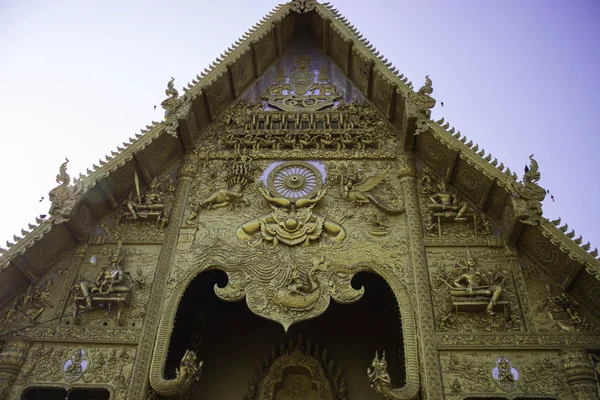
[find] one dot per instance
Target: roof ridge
(363, 44)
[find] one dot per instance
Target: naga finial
(63, 177)
(173, 94)
(427, 88)
(532, 173)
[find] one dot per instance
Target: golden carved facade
(299, 228)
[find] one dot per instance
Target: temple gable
(297, 227)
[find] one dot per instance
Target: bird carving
(357, 191)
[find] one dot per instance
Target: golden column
(581, 374)
(431, 383)
(12, 357)
(139, 383)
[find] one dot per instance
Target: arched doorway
(233, 342)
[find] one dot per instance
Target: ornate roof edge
(177, 108)
(508, 180)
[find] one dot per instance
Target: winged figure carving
(357, 190)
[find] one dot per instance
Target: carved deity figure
(149, 206)
(446, 203)
(108, 281)
(74, 367)
(240, 174)
(225, 197)
(357, 189)
(297, 295)
(427, 181)
(471, 283)
(291, 222)
(377, 372)
(563, 311)
(36, 300)
(504, 370)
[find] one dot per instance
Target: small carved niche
(297, 370)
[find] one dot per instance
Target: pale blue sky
(518, 77)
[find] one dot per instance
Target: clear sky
(78, 78)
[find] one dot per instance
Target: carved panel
(433, 153)
(138, 264)
(287, 28)
(298, 370)
(317, 27)
(556, 263)
(361, 70)
(473, 374)
(121, 180)
(242, 72)
(470, 181)
(101, 366)
(496, 201)
(492, 310)
(383, 92)
(219, 94)
(339, 48)
(200, 111)
(11, 282)
(48, 249)
(556, 310)
(83, 219)
(265, 51)
(400, 108)
(161, 152)
(97, 200)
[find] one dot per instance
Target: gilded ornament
(563, 311)
(505, 375)
(147, 207)
(356, 189)
(108, 290)
(472, 289)
(189, 371)
(64, 197)
(297, 370)
(303, 6)
(240, 174)
(298, 297)
(302, 90)
(292, 221)
(173, 95)
(74, 368)
(31, 305)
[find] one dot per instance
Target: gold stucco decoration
(292, 220)
(302, 91)
(298, 370)
(300, 296)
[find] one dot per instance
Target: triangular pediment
(243, 75)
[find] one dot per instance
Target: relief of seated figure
(107, 290)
